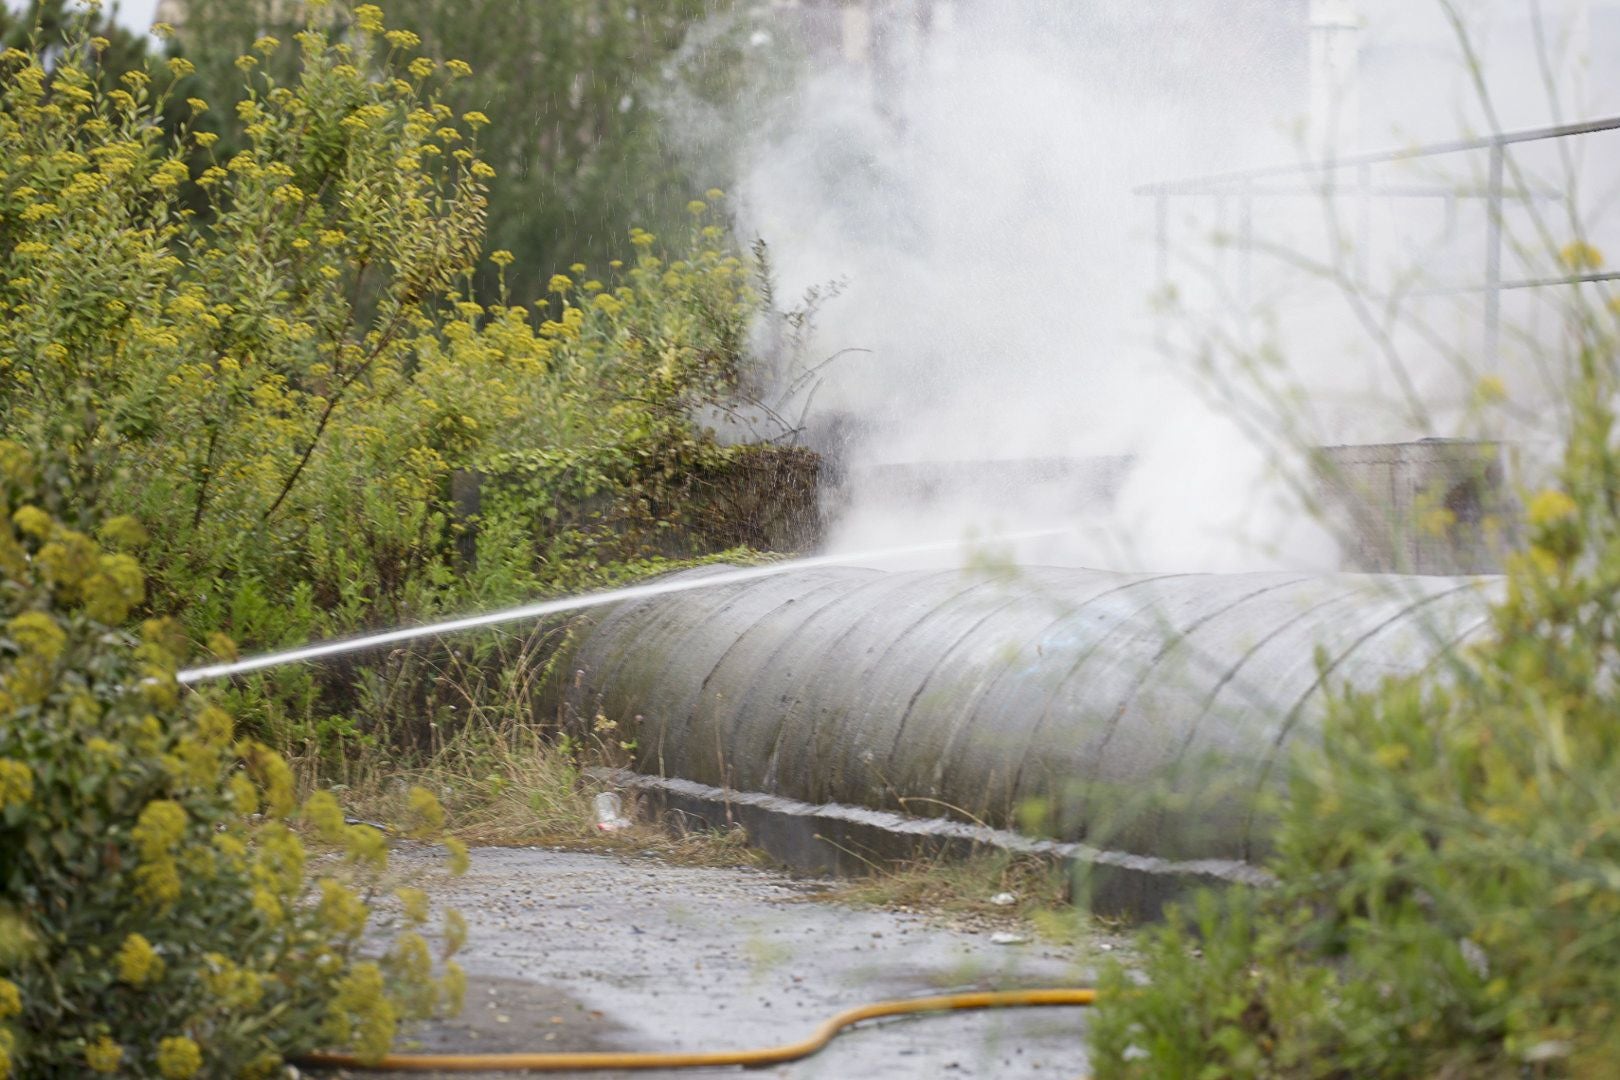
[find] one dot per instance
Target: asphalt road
(582, 951)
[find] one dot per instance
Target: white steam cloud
(968, 170)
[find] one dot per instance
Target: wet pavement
(573, 950)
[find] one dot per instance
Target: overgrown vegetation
(156, 917)
(282, 387)
(1448, 859)
(266, 361)
(577, 92)
(1448, 854)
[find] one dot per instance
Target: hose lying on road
(772, 1055)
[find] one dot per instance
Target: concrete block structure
(1435, 506)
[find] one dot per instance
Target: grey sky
(135, 14)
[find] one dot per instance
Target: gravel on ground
(573, 950)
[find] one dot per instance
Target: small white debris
(1549, 1050)
(1474, 957)
(1002, 937)
(1004, 899)
(610, 812)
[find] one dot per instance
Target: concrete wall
(1439, 506)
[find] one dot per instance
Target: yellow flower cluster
(104, 1055)
(322, 811)
(158, 831)
(369, 17)
(453, 987)
(170, 175)
(278, 865)
(414, 903)
(123, 533)
(341, 910)
(360, 1013)
(455, 932)
(366, 846)
(459, 859)
(42, 642)
(137, 963)
(16, 783)
(179, 1058)
(104, 749)
(1580, 257)
(274, 776)
(231, 986)
(1551, 506)
(37, 634)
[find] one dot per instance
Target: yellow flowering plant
(1448, 858)
(156, 913)
(1447, 851)
(258, 363)
(146, 846)
(255, 365)
(271, 358)
(201, 361)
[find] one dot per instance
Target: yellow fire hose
(771, 1055)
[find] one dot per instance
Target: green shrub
(1449, 855)
(280, 386)
(577, 94)
(156, 918)
(194, 374)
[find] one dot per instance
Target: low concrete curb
(841, 840)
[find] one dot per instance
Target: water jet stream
(575, 603)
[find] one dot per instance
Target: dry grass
(516, 784)
(508, 778)
(963, 889)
